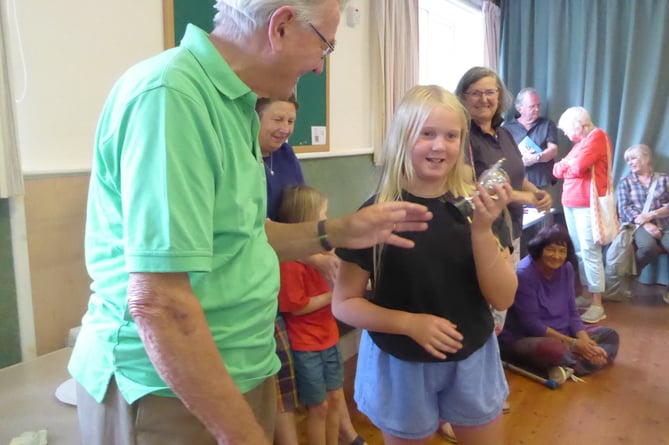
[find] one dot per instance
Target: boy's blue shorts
(317, 373)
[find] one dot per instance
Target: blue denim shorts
(407, 399)
(317, 373)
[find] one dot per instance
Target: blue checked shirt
(631, 196)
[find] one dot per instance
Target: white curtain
(11, 178)
(491, 21)
(394, 48)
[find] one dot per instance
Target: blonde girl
(428, 350)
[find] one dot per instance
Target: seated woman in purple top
(543, 330)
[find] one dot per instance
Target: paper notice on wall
(318, 136)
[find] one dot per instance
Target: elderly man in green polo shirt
(177, 343)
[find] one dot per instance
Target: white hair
(574, 118)
(240, 18)
(522, 94)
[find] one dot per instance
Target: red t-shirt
(317, 330)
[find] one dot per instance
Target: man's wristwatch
(538, 157)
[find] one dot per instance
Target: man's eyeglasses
(327, 51)
(477, 94)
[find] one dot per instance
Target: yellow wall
(55, 217)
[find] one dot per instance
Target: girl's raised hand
(487, 209)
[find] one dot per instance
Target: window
(451, 41)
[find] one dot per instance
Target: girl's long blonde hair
(401, 137)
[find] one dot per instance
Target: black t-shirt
(437, 276)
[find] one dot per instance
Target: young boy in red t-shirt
(304, 300)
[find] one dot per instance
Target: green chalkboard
(10, 339)
(312, 89)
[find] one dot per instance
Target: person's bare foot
(446, 432)
(506, 408)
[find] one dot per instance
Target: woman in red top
(590, 149)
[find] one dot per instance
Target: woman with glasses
(486, 99)
(484, 96)
(544, 331)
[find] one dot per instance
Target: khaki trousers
(155, 420)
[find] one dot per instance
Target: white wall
(350, 90)
(75, 50)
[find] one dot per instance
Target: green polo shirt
(178, 185)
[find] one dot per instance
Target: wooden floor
(627, 403)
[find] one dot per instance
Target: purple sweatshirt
(541, 303)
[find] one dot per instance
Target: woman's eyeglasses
(477, 94)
